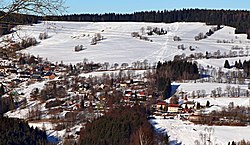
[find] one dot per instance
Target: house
(46, 69)
(161, 105)
(128, 93)
(173, 108)
(123, 85)
(49, 75)
(141, 96)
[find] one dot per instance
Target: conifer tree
(207, 104)
(2, 90)
(226, 64)
(240, 66)
(167, 89)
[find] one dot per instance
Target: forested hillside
(18, 132)
(121, 126)
(236, 18)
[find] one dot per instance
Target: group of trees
(226, 64)
(234, 115)
(209, 33)
(178, 70)
(6, 103)
(52, 90)
(164, 86)
(206, 137)
(239, 65)
(243, 142)
(155, 30)
(96, 38)
(18, 132)
(173, 70)
(246, 67)
(231, 116)
(123, 126)
(235, 18)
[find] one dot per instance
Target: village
(65, 97)
(60, 98)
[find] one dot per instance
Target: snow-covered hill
(119, 46)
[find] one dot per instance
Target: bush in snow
(176, 38)
(79, 48)
(135, 34)
(43, 36)
(182, 47)
(27, 42)
(200, 36)
(98, 36)
(93, 41)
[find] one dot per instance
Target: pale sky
(129, 6)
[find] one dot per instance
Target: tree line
(18, 132)
(236, 18)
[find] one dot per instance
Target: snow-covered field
(187, 133)
(118, 46)
(208, 87)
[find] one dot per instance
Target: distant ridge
(240, 19)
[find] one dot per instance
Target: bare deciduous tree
(35, 7)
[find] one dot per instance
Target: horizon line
(168, 10)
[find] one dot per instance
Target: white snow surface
(186, 133)
(189, 87)
(119, 46)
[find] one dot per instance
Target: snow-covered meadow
(186, 133)
(119, 46)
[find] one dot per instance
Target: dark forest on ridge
(240, 19)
